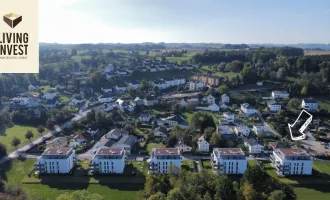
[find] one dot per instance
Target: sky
(184, 21)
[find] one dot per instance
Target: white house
(279, 94)
(75, 101)
(242, 131)
(31, 87)
(183, 103)
(273, 106)
(134, 84)
(229, 116)
(209, 99)
(253, 146)
(183, 147)
(229, 160)
(225, 99)
(309, 105)
(109, 68)
(50, 95)
(161, 160)
(108, 161)
(247, 109)
(203, 145)
(224, 130)
(175, 120)
(292, 162)
(144, 117)
(105, 99)
(257, 128)
(122, 72)
(121, 88)
(56, 161)
(196, 85)
(214, 107)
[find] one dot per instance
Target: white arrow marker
(302, 128)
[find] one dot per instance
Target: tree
(138, 123)
(176, 108)
(215, 138)
(29, 135)
(248, 75)
(80, 195)
(156, 183)
(281, 74)
(199, 65)
(224, 188)
(3, 150)
(195, 122)
(15, 142)
(289, 192)
(304, 91)
(223, 89)
(209, 91)
(208, 133)
(294, 103)
(157, 196)
(174, 194)
(277, 195)
(207, 122)
(248, 192)
(256, 177)
(41, 129)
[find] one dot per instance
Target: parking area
(315, 147)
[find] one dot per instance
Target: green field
(319, 192)
(19, 132)
(16, 170)
(154, 145)
(230, 75)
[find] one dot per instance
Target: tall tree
(195, 122)
(29, 135)
(248, 192)
(41, 129)
(223, 89)
(3, 150)
(277, 195)
(224, 189)
(15, 142)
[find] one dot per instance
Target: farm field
(17, 131)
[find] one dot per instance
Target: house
(87, 91)
(214, 107)
(225, 99)
(75, 101)
(224, 130)
(161, 68)
(161, 132)
(79, 138)
(31, 87)
(183, 147)
(21, 101)
(229, 116)
(108, 107)
(292, 162)
(247, 109)
(56, 161)
(259, 83)
(183, 103)
(92, 132)
(144, 117)
(60, 87)
(105, 99)
(207, 79)
(276, 145)
(121, 88)
(137, 102)
(116, 134)
(33, 102)
(128, 142)
(150, 101)
(122, 72)
(134, 84)
(203, 145)
(162, 160)
(51, 103)
(50, 95)
(153, 69)
(175, 120)
(209, 99)
(273, 106)
(196, 85)
(193, 100)
(110, 90)
(253, 146)
(309, 105)
(279, 94)
(242, 131)
(259, 128)
(108, 161)
(229, 160)
(109, 68)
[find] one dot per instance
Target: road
(26, 147)
(271, 129)
(250, 90)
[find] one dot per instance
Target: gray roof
(272, 102)
(126, 141)
(310, 101)
(117, 132)
(178, 119)
(252, 142)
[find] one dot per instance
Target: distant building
(203, 145)
(207, 79)
(228, 160)
(183, 147)
(247, 109)
(229, 116)
(116, 134)
(196, 85)
(309, 105)
(224, 130)
(279, 94)
(56, 161)
(292, 162)
(161, 160)
(225, 99)
(242, 131)
(144, 117)
(128, 142)
(175, 120)
(253, 146)
(108, 161)
(273, 106)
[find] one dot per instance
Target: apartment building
(228, 160)
(207, 79)
(309, 105)
(162, 158)
(108, 161)
(279, 94)
(56, 161)
(292, 162)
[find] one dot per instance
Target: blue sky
(230, 21)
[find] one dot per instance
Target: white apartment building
(279, 94)
(309, 105)
(247, 109)
(108, 161)
(292, 162)
(258, 128)
(214, 107)
(196, 85)
(229, 116)
(56, 161)
(225, 99)
(162, 158)
(203, 145)
(273, 106)
(229, 160)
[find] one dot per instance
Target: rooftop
(166, 151)
(252, 142)
(310, 101)
(229, 151)
(276, 145)
(109, 151)
(57, 151)
(292, 152)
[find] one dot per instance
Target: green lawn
(15, 170)
(64, 99)
(47, 88)
(252, 163)
(323, 167)
(154, 145)
(19, 132)
(230, 75)
(188, 165)
(318, 192)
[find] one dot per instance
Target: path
(259, 115)
(44, 137)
